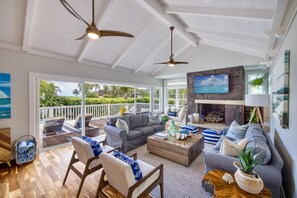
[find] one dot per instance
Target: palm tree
(76, 92)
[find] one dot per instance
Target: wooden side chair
(121, 178)
(83, 153)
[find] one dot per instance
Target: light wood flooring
(44, 177)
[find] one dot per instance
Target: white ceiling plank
(255, 14)
(153, 54)
(252, 52)
(28, 23)
(156, 9)
(101, 18)
(181, 50)
(241, 37)
(279, 13)
(132, 43)
(10, 46)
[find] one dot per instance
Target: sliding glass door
(60, 112)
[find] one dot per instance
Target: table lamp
(257, 101)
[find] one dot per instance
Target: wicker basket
(250, 183)
(26, 138)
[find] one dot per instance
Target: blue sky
(5, 84)
(211, 80)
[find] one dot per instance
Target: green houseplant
(247, 179)
(164, 119)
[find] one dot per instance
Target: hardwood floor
(44, 177)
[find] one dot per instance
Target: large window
(256, 82)
(176, 97)
(157, 99)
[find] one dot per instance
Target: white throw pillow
(196, 117)
(229, 148)
(182, 112)
(122, 125)
(172, 109)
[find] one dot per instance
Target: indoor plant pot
(249, 182)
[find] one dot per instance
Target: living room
(242, 42)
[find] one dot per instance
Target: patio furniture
(120, 177)
(53, 126)
(83, 153)
(91, 130)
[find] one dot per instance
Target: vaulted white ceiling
(46, 28)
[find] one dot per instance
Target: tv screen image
(211, 84)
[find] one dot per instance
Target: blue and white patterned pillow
(95, 145)
(211, 136)
(133, 163)
(237, 131)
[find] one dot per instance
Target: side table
(213, 183)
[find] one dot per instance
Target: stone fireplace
(234, 110)
(229, 105)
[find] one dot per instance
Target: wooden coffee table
(180, 151)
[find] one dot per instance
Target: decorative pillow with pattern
(122, 125)
(229, 148)
(236, 131)
(153, 119)
(133, 163)
(95, 145)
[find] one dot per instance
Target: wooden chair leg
(162, 190)
(69, 166)
(81, 184)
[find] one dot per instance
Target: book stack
(162, 136)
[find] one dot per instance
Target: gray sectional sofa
(269, 171)
(139, 130)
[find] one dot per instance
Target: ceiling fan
(92, 31)
(172, 62)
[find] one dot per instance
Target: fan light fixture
(92, 31)
(92, 35)
(172, 62)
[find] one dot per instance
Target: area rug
(179, 181)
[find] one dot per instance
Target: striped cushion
(122, 125)
(211, 136)
(190, 128)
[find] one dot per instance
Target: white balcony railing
(98, 110)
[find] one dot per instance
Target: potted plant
(247, 179)
(164, 119)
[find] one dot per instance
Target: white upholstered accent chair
(120, 177)
(83, 153)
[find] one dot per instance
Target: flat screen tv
(212, 84)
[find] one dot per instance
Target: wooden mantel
(222, 102)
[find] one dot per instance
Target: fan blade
(73, 12)
(180, 62)
(114, 33)
(82, 37)
(162, 63)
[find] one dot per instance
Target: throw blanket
(31, 149)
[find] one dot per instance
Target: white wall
(203, 57)
(20, 64)
(286, 139)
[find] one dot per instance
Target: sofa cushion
(145, 130)
(145, 119)
(122, 125)
(113, 120)
(260, 146)
(218, 144)
(230, 148)
(135, 121)
(236, 131)
(158, 127)
(255, 131)
(133, 134)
